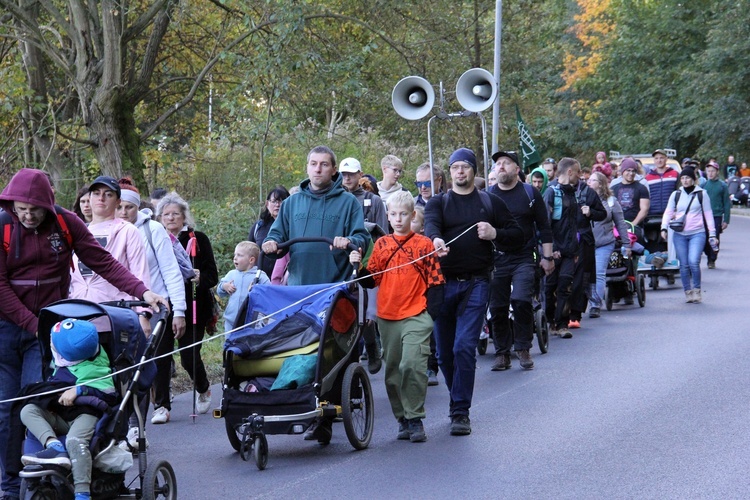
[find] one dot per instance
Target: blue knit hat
(75, 340)
(464, 154)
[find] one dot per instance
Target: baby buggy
(121, 336)
(653, 243)
(623, 281)
(295, 361)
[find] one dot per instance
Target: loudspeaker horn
(413, 97)
(476, 90)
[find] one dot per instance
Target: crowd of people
(437, 264)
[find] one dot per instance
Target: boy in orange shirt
(410, 294)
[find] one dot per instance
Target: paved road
(641, 403)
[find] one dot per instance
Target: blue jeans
(689, 248)
(457, 331)
(602, 260)
(20, 364)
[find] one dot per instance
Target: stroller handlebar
(313, 239)
(129, 304)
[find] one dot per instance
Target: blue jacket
(330, 214)
(243, 280)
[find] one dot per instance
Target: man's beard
(506, 178)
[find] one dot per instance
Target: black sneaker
(432, 379)
(525, 358)
(48, 456)
(460, 425)
(416, 431)
(595, 312)
(403, 429)
(501, 363)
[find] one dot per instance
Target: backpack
(6, 225)
(183, 261)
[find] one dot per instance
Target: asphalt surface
(640, 403)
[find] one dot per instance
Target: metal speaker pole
(413, 97)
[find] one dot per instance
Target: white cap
(350, 166)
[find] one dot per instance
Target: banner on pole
(529, 155)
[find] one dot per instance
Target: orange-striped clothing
(402, 288)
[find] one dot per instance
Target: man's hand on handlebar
(270, 247)
(340, 242)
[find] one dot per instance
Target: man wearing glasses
(424, 183)
(476, 220)
(393, 169)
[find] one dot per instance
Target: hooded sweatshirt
(544, 176)
(166, 278)
(696, 214)
(36, 270)
(331, 213)
(124, 242)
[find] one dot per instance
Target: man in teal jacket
(717, 190)
(321, 208)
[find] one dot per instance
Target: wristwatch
(548, 258)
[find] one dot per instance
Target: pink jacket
(694, 219)
(124, 242)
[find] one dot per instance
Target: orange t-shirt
(402, 288)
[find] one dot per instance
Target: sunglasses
(423, 184)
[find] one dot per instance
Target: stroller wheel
(482, 346)
(159, 481)
(357, 406)
(640, 290)
(235, 438)
(542, 331)
(260, 451)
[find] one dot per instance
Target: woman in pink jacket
(692, 202)
(120, 238)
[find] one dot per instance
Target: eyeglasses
(275, 201)
(461, 166)
(423, 184)
(171, 215)
(396, 170)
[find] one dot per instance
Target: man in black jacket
(571, 212)
(515, 274)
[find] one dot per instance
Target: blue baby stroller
(283, 371)
(121, 336)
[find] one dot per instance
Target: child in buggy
(119, 346)
(622, 279)
(80, 362)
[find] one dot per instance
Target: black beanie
(689, 172)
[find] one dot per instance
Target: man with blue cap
(472, 221)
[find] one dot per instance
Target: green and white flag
(530, 158)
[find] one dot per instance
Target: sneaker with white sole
(204, 402)
(54, 454)
(160, 416)
(131, 441)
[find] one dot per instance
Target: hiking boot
(689, 296)
(460, 425)
(321, 430)
(160, 416)
(403, 429)
(657, 261)
(697, 297)
(595, 312)
(525, 358)
(574, 323)
(501, 363)
(712, 264)
(54, 454)
(432, 378)
(416, 431)
(564, 333)
(204, 402)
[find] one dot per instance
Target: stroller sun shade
(298, 326)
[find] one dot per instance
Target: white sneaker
(160, 416)
(204, 402)
(131, 441)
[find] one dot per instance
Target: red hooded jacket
(35, 272)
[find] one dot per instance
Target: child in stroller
(80, 362)
(120, 349)
(622, 279)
